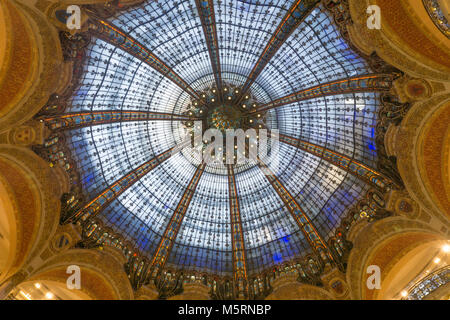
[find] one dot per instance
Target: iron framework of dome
(140, 72)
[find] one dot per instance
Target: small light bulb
(437, 260)
(37, 285)
(446, 248)
(404, 293)
(49, 295)
(26, 295)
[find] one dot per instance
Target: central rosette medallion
(225, 117)
(225, 125)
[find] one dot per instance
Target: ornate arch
(383, 244)
(102, 273)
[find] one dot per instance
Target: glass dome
(271, 50)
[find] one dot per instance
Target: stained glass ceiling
(201, 202)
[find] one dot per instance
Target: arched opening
(7, 231)
(46, 290)
(413, 268)
(403, 251)
(97, 273)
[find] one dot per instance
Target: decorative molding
(397, 54)
(436, 14)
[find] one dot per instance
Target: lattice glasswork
(117, 75)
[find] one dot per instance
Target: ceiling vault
(117, 37)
